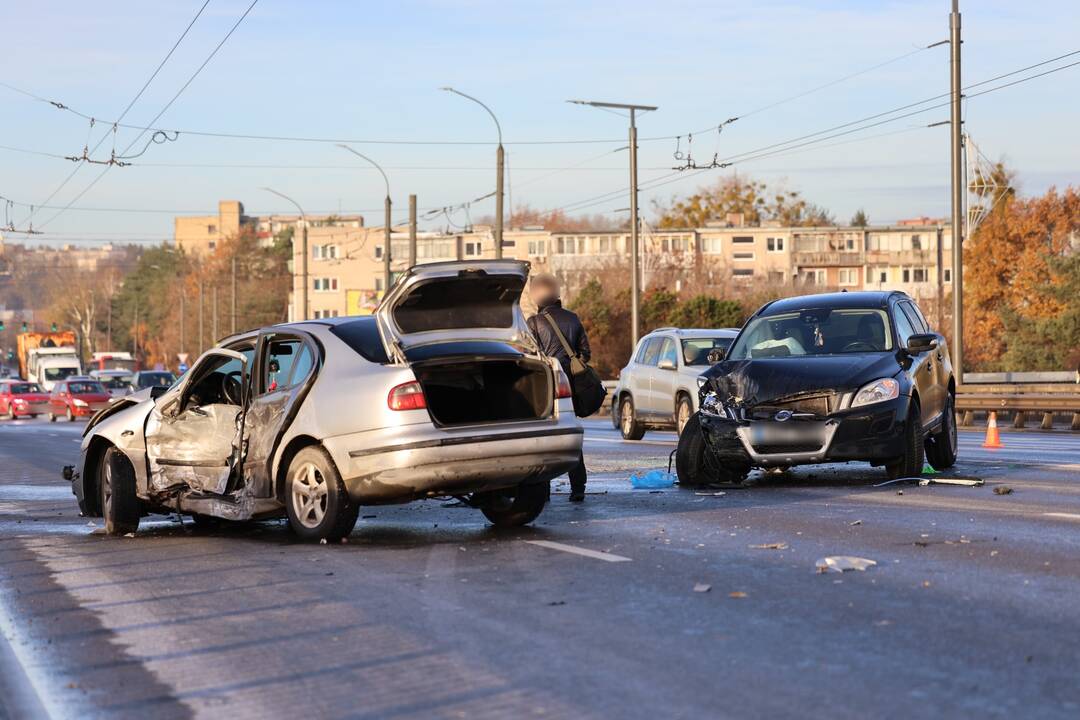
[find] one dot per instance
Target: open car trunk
(469, 391)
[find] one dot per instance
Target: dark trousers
(578, 475)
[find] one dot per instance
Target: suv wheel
(522, 508)
(941, 447)
(630, 428)
(70, 415)
(695, 463)
(316, 501)
(683, 410)
(119, 504)
(910, 464)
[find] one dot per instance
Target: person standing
(544, 291)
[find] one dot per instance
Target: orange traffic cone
(993, 440)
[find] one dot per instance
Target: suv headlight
(711, 404)
(877, 391)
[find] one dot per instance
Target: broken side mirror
(921, 342)
(716, 355)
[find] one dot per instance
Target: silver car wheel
(684, 416)
(627, 418)
(106, 489)
(309, 495)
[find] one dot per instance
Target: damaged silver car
(442, 393)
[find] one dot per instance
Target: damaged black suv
(825, 378)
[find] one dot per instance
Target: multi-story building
(201, 235)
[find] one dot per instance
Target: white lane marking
(1067, 516)
(574, 550)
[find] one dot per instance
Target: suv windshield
(816, 331)
(696, 350)
(59, 373)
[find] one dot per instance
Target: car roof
(860, 299)
(697, 332)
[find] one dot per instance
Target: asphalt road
(973, 608)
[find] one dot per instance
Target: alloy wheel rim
(627, 417)
(309, 495)
(684, 416)
(106, 488)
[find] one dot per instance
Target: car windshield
(815, 331)
(24, 388)
(156, 379)
(116, 382)
(85, 388)
(696, 350)
(59, 373)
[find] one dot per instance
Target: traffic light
(24, 326)
(1, 326)
(53, 327)
(10, 354)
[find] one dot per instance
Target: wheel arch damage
(285, 457)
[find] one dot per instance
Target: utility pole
(136, 353)
(412, 230)
(386, 221)
(304, 251)
(232, 313)
(635, 261)
(200, 343)
(500, 171)
(940, 277)
(956, 148)
(183, 334)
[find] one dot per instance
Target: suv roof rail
(663, 329)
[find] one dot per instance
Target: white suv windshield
(814, 332)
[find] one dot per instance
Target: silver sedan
(442, 393)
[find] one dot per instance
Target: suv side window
(667, 352)
(913, 317)
(652, 352)
(904, 329)
(921, 317)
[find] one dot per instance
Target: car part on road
(843, 563)
(120, 507)
(316, 501)
(506, 510)
(628, 423)
(653, 479)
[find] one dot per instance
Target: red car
(22, 398)
(77, 397)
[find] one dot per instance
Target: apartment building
(201, 235)
(345, 266)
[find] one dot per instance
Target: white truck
(45, 358)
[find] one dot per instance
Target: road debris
(737, 594)
(853, 523)
(1003, 490)
(965, 482)
(653, 479)
(843, 563)
(712, 494)
(702, 587)
(771, 546)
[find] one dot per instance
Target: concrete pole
(635, 262)
(500, 162)
(307, 281)
(940, 279)
(201, 336)
(412, 230)
(386, 247)
(232, 311)
(183, 327)
(957, 195)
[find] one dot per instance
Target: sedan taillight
(407, 396)
(563, 390)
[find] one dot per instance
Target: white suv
(659, 386)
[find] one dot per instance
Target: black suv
(825, 378)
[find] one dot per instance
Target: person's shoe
(577, 496)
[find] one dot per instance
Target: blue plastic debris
(652, 480)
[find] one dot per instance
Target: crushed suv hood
(764, 380)
(455, 301)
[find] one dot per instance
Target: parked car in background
(443, 393)
(857, 376)
(22, 399)
(78, 396)
(151, 378)
(659, 386)
(117, 382)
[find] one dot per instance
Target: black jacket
(572, 330)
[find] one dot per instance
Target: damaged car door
(192, 433)
(286, 368)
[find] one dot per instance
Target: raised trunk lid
(455, 301)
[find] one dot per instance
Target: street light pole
(304, 263)
(500, 172)
(635, 260)
(386, 221)
(956, 148)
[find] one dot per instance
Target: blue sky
(367, 70)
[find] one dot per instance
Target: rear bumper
(870, 433)
(428, 464)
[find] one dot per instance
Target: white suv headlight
(877, 391)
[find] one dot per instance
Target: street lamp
(386, 223)
(635, 262)
(499, 172)
(303, 219)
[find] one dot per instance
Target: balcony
(829, 258)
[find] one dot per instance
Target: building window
(212, 244)
(742, 272)
(849, 243)
(742, 239)
(777, 276)
(378, 252)
(775, 244)
(537, 247)
(472, 249)
(378, 284)
(919, 274)
(324, 252)
(605, 244)
(907, 275)
(948, 275)
(848, 276)
(211, 229)
(711, 245)
(813, 277)
(743, 256)
(883, 276)
(324, 284)
(916, 242)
